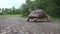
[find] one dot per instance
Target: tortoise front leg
(28, 19)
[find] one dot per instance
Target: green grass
(54, 19)
(14, 15)
(8, 15)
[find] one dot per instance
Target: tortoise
(38, 14)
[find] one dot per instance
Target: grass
(8, 15)
(55, 19)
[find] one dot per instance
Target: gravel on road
(18, 25)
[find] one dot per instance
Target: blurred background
(21, 7)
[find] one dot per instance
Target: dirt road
(18, 25)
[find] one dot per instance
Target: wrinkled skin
(38, 14)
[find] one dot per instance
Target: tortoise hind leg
(48, 18)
